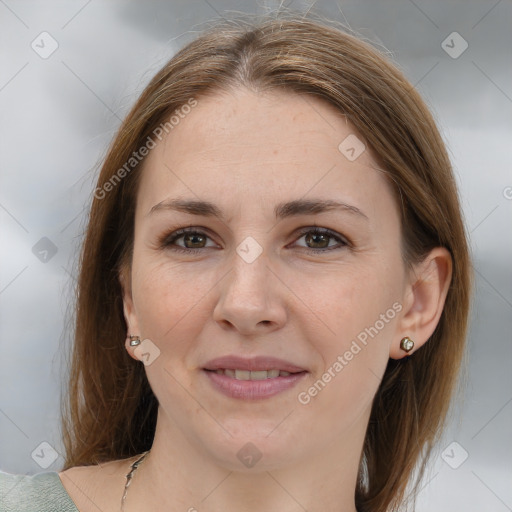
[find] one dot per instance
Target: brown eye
(193, 240)
(196, 240)
(319, 240)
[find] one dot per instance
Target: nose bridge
(248, 295)
(250, 270)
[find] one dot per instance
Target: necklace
(129, 477)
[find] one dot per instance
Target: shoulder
(42, 492)
(96, 487)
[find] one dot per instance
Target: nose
(252, 298)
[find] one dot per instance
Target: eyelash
(167, 241)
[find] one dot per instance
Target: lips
(253, 364)
(251, 375)
(252, 378)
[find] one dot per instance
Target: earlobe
(131, 343)
(129, 310)
(427, 290)
(406, 344)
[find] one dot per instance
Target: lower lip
(252, 389)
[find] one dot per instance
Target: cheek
(349, 302)
(167, 300)
(169, 311)
(361, 317)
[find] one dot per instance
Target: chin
(253, 448)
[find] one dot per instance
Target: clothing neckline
(39, 491)
(63, 489)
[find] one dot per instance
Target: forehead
(245, 147)
(271, 123)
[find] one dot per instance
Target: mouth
(254, 378)
(252, 364)
(252, 375)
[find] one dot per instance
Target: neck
(181, 475)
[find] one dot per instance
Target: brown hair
(111, 411)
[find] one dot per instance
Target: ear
(128, 308)
(424, 300)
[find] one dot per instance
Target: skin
(247, 151)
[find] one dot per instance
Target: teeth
(259, 375)
(242, 374)
(252, 375)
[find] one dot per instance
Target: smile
(252, 375)
(252, 388)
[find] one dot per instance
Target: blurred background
(70, 71)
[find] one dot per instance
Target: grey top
(43, 492)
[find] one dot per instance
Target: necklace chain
(129, 477)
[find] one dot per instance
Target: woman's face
(256, 281)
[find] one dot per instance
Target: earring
(406, 344)
(134, 341)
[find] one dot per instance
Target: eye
(320, 239)
(193, 240)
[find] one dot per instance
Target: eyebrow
(281, 211)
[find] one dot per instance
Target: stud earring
(406, 344)
(134, 341)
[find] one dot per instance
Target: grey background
(59, 114)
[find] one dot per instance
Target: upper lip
(254, 364)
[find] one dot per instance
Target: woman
(274, 287)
